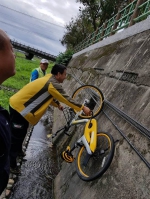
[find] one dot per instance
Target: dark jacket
(5, 140)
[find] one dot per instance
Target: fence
(135, 12)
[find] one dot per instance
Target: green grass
(24, 68)
(4, 99)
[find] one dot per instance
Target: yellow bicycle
(96, 149)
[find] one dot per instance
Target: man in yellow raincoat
(30, 103)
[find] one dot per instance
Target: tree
(76, 31)
(100, 11)
(91, 10)
(92, 16)
(64, 58)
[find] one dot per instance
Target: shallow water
(38, 172)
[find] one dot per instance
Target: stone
(9, 186)
(7, 193)
(11, 181)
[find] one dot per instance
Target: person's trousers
(3, 180)
(19, 126)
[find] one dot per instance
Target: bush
(64, 58)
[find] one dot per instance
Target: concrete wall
(121, 69)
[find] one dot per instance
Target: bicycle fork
(89, 140)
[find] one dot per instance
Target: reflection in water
(38, 172)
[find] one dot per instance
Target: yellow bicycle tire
(94, 168)
(88, 92)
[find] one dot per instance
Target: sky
(38, 23)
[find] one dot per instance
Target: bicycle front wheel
(90, 167)
(92, 95)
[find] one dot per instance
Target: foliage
(100, 11)
(76, 31)
(64, 58)
(93, 15)
(4, 99)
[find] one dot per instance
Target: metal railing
(32, 50)
(135, 12)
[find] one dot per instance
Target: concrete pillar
(29, 55)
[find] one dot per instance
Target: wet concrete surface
(39, 169)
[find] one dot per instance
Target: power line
(23, 29)
(31, 16)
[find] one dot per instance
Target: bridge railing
(135, 12)
(30, 49)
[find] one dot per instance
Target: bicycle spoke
(93, 96)
(86, 159)
(90, 167)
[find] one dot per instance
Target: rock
(9, 186)
(7, 193)
(11, 181)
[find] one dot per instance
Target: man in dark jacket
(7, 69)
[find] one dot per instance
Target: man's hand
(60, 107)
(86, 110)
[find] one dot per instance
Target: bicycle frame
(89, 138)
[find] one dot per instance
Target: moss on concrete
(90, 70)
(82, 60)
(108, 50)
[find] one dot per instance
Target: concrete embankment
(121, 69)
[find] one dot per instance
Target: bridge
(30, 51)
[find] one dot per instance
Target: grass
(24, 68)
(4, 99)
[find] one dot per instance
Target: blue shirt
(35, 74)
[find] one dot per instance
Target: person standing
(30, 103)
(40, 71)
(7, 69)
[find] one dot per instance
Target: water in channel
(39, 169)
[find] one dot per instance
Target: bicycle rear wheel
(90, 167)
(93, 96)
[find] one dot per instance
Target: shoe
(15, 170)
(22, 154)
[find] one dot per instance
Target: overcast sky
(37, 23)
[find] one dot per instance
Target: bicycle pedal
(67, 156)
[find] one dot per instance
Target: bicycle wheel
(93, 96)
(90, 167)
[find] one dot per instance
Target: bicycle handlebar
(69, 117)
